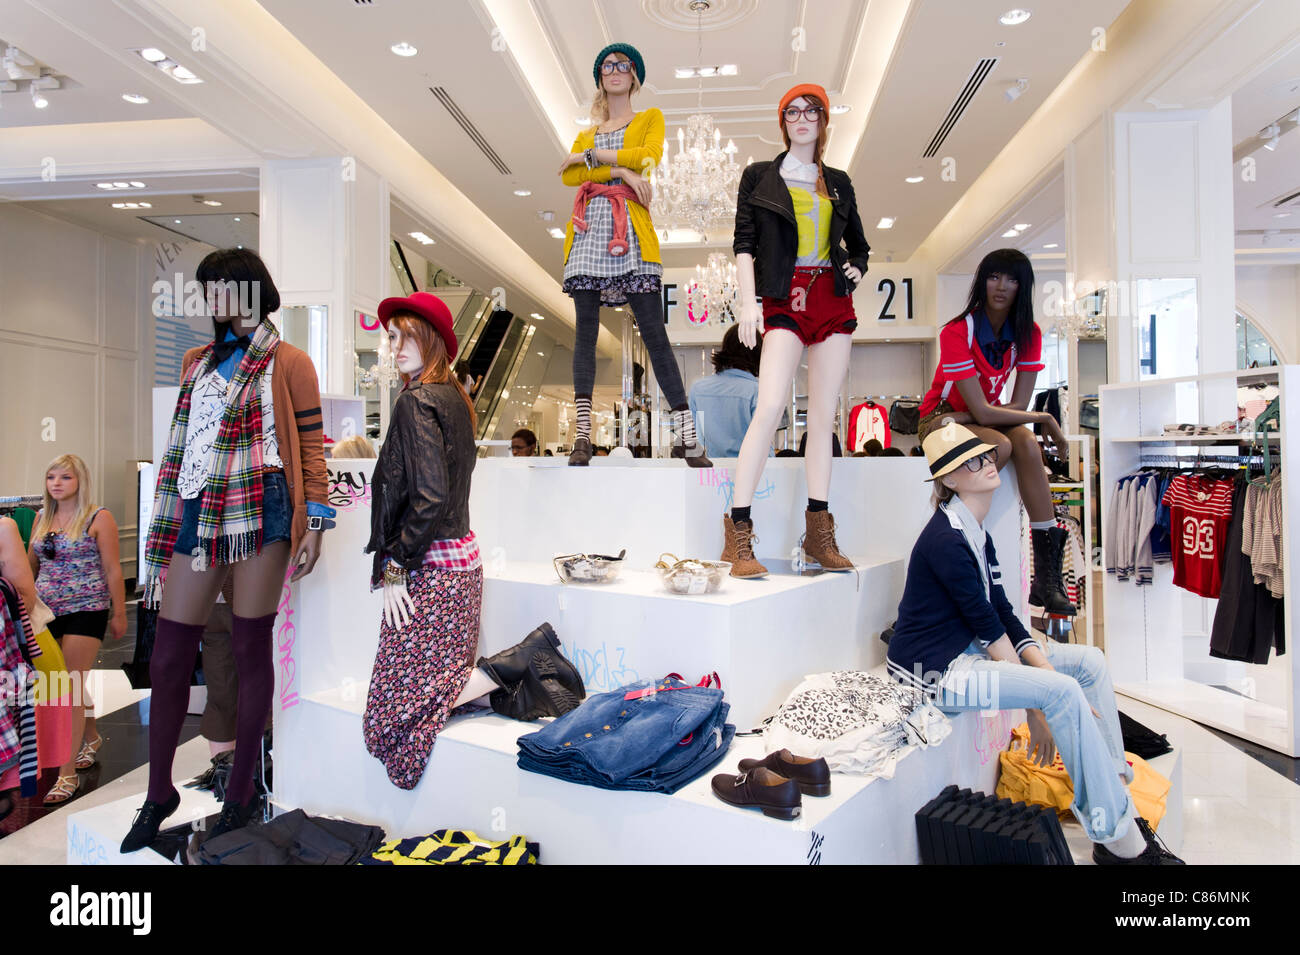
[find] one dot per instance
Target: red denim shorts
(812, 311)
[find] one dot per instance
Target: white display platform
(95, 835)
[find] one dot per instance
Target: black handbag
(1089, 414)
(905, 415)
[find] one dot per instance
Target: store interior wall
(1269, 295)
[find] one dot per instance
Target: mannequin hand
(573, 159)
(1054, 435)
(854, 274)
(644, 187)
(117, 626)
(1042, 748)
(398, 606)
(308, 554)
(751, 323)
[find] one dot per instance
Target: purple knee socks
(251, 639)
(175, 647)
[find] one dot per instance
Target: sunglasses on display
(623, 66)
(48, 550)
(976, 464)
(811, 113)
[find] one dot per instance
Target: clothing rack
(854, 399)
(1177, 460)
(33, 501)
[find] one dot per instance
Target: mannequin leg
(648, 309)
(480, 684)
(1030, 474)
(781, 353)
(259, 583)
(828, 362)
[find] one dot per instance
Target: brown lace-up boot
(819, 541)
(738, 548)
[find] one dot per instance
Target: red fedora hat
(430, 308)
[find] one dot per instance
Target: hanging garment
(53, 705)
(858, 722)
(1026, 781)
(1074, 566)
(867, 421)
(1262, 533)
(1244, 620)
(1200, 510)
(18, 648)
(1161, 549)
(905, 415)
(455, 847)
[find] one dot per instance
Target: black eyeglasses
(623, 66)
(976, 464)
(48, 550)
(810, 113)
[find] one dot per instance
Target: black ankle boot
(234, 816)
(509, 666)
(148, 819)
(550, 686)
(1046, 589)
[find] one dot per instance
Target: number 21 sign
(890, 289)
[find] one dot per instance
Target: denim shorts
(277, 515)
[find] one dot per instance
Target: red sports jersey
(960, 356)
(1199, 512)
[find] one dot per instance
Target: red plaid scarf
(230, 519)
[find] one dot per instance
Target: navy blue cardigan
(944, 607)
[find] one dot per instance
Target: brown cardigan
(296, 396)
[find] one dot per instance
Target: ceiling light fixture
(152, 54)
(132, 205)
(886, 222)
(915, 179)
(1014, 90)
(523, 192)
(211, 202)
(1014, 17)
(421, 238)
(135, 98)
(133, 184)
(169, 66)
(839, 109)
(1021, 226)
(1010, 234)
(1050, 245)
(1281, 215)
(556, 233)
(404, 49)
(38, 99)
(540, 318)
(237, 219)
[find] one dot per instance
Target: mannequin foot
(819, 541)
(693, 453)
(580, 456)
(738, 549)
(686, 445)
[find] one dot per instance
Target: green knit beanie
(628, 50)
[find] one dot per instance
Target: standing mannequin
(611, 252)
(241, 487)
(791, 216)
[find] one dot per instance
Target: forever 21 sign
(889, 288)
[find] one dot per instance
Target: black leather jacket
(420, 489)
(765, 228)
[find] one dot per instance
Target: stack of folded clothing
(455, 847)
(651, 736)
(959, 827)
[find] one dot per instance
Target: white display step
(95, 835)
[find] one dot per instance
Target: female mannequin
(241, 488)
(426, 555)
(611, 252)
(791, 215)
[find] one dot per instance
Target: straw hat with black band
(947, 447)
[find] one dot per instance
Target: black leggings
(647, 307)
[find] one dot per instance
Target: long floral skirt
(421, 669)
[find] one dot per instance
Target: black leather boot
(509, 666)
(1046, 589)
(550, 686)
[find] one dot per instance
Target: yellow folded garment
(1025, 781)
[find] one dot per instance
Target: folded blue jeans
(657, 741)
(1090, 746)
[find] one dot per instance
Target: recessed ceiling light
(421, 238)
(211, 202)
(1014, 17)
(135, 98)
(169, 66)
(542, 353)
(153, 54)
(556, 233)
(404, 49)
(523, 192)
(136, 185)
(839, 109)
(120, 185)
(1280, 215)
(1050, 245)
(886, 222)
(1010, 234)
(915, 179)
(1021, 226)
(540, 318)
(132, 205)
(177, 221)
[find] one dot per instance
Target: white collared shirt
(962, 519)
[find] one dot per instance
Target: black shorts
(87, 623)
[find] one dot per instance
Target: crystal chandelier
(384, 371)
(696, 188)
(711, 297)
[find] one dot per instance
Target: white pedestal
(95, 835)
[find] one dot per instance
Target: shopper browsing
(523, 444)
(425, 554)
(978, 351)
(74, 555)
(958, 640)
(723, 403)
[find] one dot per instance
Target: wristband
(394, 573)
(590, 156)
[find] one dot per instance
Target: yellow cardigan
(643, 147)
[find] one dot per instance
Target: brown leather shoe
(738, 548)
(819, 541)
(763, 789)
(812, 776)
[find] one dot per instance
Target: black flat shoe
(148, 819)
(234, 816)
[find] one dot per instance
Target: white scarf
(962, 519)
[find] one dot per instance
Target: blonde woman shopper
(74, 556)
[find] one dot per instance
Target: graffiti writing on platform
(348, 489)
(720, 478)
(597, 670)
(991, 735)
(285, 637)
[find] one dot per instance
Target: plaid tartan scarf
(230, 519)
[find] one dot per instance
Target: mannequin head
(963, 482)
(1004, 282)
(803, 133)
(615, 84)
(420, 354)
(67, 486)
(963, 465)
(239, 290)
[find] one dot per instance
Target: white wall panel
(120, 430)
(306, 227)
(121, 293)
(49, 273)
(1163, 191)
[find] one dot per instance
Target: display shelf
(1217, 708)
(1239, 437)
(95, 835)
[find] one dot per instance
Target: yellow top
(643, 147)
(812, 214)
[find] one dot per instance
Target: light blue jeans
(1091, 747)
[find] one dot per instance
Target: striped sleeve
(304, 394)
(956, 362)
(1032, 359)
